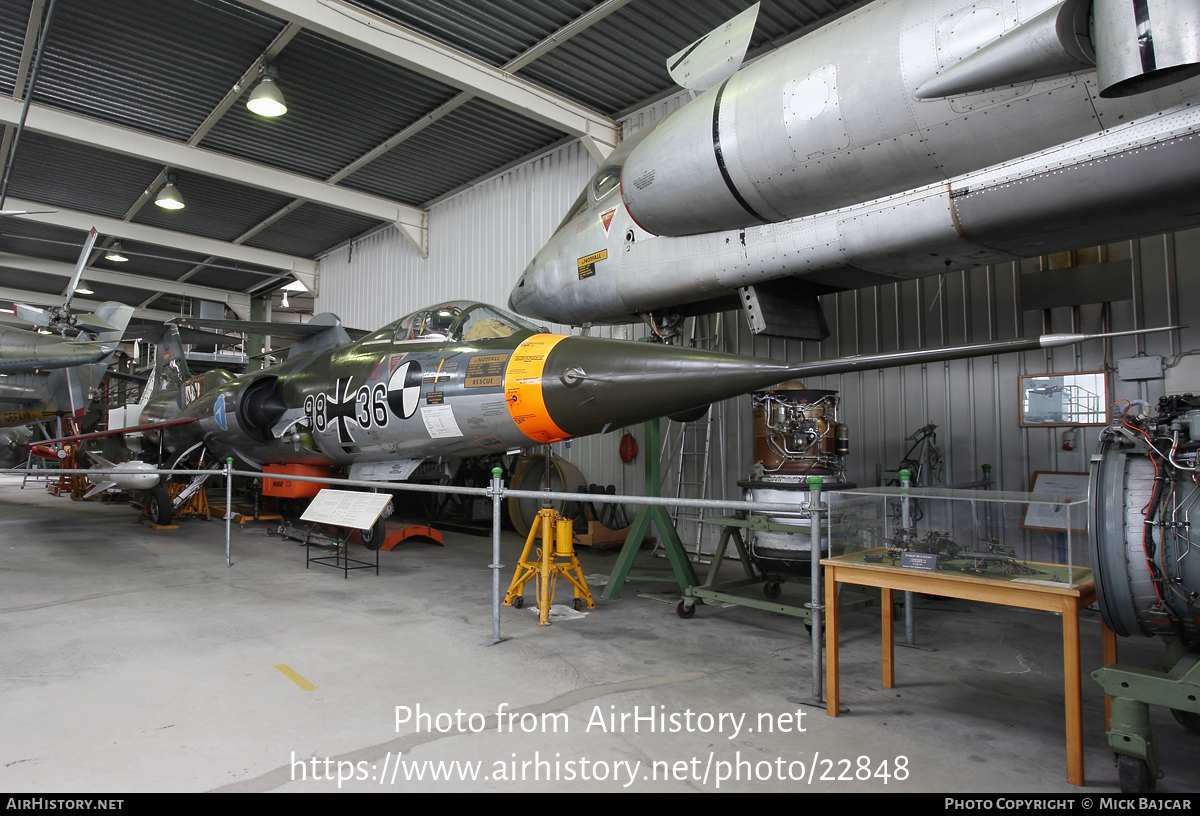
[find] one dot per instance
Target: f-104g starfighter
(453, 380)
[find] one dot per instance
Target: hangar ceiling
(392, 105)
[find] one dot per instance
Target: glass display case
(1028, 538)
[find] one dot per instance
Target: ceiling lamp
(82, 289)
(114, 253)
(169, 197)
(266, 100)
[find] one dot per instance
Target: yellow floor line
(295, 678)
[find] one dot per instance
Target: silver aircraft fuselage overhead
(907, 138)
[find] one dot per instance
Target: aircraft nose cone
(590, 384)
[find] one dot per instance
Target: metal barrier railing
(495, 491)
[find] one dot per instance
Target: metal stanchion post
(228, 509)
(496, 490)
(815, 606)
(815, 512)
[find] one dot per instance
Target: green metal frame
(1134, 690)
(681, 565)
(681, 568)
(711, 590)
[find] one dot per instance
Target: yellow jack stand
(195, 507)
(555, 557)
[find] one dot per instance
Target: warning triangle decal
(606, 219)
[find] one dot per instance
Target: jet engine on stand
(1145, 484)
(797, 434)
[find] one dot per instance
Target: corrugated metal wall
(481, 239)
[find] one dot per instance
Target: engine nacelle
(1145, 45)
(237, 419)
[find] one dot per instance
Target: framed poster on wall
(1049, 400)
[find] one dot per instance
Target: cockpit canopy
(454, 321)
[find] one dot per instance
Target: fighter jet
(907, 138)
(453, 380)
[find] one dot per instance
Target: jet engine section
(1143, 490)
(239, 420)
(259, 408)
(1144, 45)
(796, 435)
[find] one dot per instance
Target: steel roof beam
(580, 23)
(237, 301)
(382, 38)
(304, 269)
(177, 155)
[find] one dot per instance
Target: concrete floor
(133, 660)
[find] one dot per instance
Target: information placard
(346, 508)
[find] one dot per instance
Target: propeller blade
(32, 314)
(83, 258)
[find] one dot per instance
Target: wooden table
(1065, 600)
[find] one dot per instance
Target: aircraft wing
(132, 429)
(296, 331)
(191, 337)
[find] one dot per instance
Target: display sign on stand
(349, 509)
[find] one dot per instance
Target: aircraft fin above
(170, 366)
(716, 56)
(100, 460)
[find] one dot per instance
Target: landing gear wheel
(518, 602)
(1188, 719)
(160, 506)
(685, 609)
(577, 604)
(1134, 775)
(772, 590)
(373, 538)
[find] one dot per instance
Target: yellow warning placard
(523, 389)
(587, 264)
(485, 370)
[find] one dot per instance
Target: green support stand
(681, 565)
(1133, 691)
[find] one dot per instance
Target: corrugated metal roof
(31, 281)
(77, 176)
(234, 276)
(162, 66)
(159, 66)
(476, 138)
(311, 229)
(341, 104)
(621, 60)
(214, 208)
(110, 291)
(12, 37)
(151, 267)
(495, 31)
(23, 237)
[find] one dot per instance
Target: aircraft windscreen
(606, 180)
(460, 320)
(483, 322)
